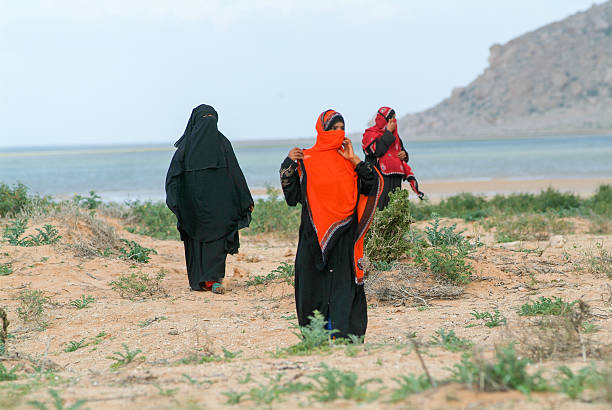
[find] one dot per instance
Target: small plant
(332, 384)
(7, 375)
(139, 286)
(408, 385)
(313, 336)
(58, 403)
(446, 262)
(450, 341)
(82, 303)
(508, 372)
(284, 271)
(227, 355)
(32, 306)
(275, 389)
(13, 200)
(73, 346)
(547, 306)
(13, 231)
(123, 358)
(445, 236)
(165, 392)
(588, 327)
(135, 252)
(93, 201)
(490, 320)
(573, 384)
(6, 269)
(599, 261)
(382, 266)
(233, 397)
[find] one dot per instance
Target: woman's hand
(402, 155)
(251, 207)
(348, 153)
(295, 154)
(392, 125)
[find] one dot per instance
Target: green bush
(408, 385)
(136, 252)
(508, 372)
(386, 239)
(284, 271)
(88, 202)
(31, 306)
(139, 286)
(446, 262)
(48, 235)
(273, 215)
(13, 200)
(313, 336)
(601, 202)
(153, 219)
(547, 306)
(332, 384)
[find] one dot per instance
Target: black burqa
(208, 193)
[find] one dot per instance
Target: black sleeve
(383, 143)
(290, 182)
(367, 178)
(404, 149)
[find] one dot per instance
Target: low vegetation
(48, 235)
(138, 286)
(284, 272)
(135, 252)
(121, 359)
(547, 306)
(273, 215)
(31, 307)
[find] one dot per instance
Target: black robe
(208, 193)
(329, 288)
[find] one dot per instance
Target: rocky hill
(554, 80)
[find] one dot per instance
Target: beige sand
(256, 321)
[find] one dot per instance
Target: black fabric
(382, 146)
(206, 261)
(205, 187)
(331, 288)
(392, 182)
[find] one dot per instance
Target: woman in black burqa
(208, 193)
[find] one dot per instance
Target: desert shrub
(438, 235)
(601, 202)
(446, 263)
(284, 272)
(136, 252)
(139, 286)
(386, 239)
(332, 384)
(48, 235)
(547, 306)
(490, 319)
(123, 358)
(31, 307)
(273, 215)
(13, 200)
(507, 372)
(450, 341)
(6, 269)
(153, 219)
(574, 384)
(599, 261)
(313, 336)
(93, 201)
(6, 374)
(408, 385)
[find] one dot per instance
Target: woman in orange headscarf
(339, 194)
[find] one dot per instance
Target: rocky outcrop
(554, 80)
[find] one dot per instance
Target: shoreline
(438, 189)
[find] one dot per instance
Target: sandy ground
(256, 321)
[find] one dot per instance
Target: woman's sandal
(217, 288)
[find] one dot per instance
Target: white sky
(78, 72)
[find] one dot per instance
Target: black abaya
(329, 288)
(208, 193)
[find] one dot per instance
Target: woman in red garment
(384, 148)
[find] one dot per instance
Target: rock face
(554, 80)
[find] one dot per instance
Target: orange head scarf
(331, 188)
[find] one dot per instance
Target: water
(120, 173)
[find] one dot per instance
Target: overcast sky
(129, 71)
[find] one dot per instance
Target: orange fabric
(331, 186)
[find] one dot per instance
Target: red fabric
(331, 186)
(389, 163)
